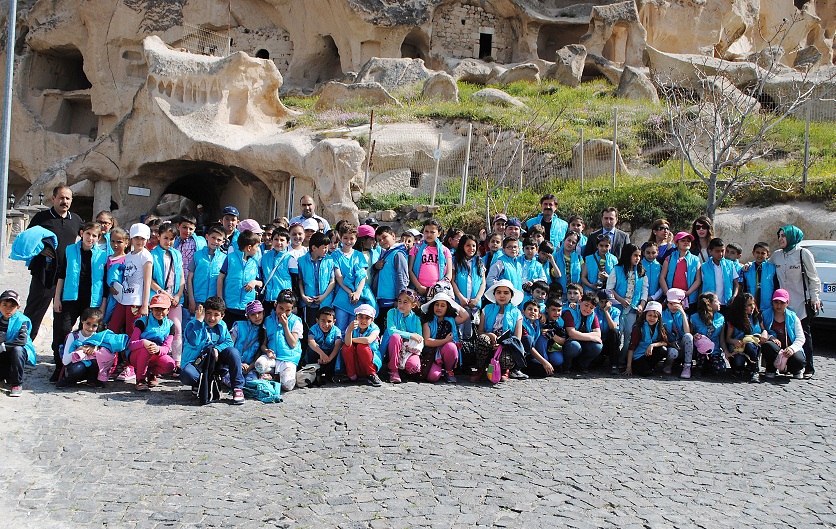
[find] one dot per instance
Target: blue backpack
(267, 391)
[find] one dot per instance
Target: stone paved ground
(601, 452)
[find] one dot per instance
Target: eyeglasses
(105, 223)
(700, 227)
(663, 228)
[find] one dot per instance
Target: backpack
(267, 391)
(208, 387)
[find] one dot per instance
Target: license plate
(828, 288)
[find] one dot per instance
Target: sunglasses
(663, 228)
(700, 227)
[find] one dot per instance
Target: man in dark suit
(609, 218)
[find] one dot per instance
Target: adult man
(308, 208)
(229, 221)
(618, 238)
(554, 226)
(44, 267)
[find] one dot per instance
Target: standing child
(507, 266)
(361, 352)
(733, 253)
(744, 335)
(88, 352)
(759, 277)
(469, 284)
(284, 339)
(609, 318)
(499, 317)
(316, 278)
(569, 260)
(115, 270)
(275, 268)
(430, 261)
(350, 273)
(628, 283)
(652, 270)
(494, 249)
(442, 316)
(648, 343)
(408, 239)
(167, 278)
(545, 256)
(707, 323)
(719, 275)
(149, 350)
(679, 330)
(240, 277)
(248, 337)
(16, 348)
(297, 245)
(597, 267)
(136, 284)
(532, 270)
(205, 269)
(324, 343)
(577, 225)
(403, 325)
(681, 270)
(391, 274)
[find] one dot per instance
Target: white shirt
(132, 284)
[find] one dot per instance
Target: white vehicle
(825, 254)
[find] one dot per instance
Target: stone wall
(275, 41)
(456, 31)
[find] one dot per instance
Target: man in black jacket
(618, 238)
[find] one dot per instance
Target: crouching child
(16, 347)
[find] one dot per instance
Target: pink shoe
(686, 372)
(394, 377)
(127, 373)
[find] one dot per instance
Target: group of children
(264, 301)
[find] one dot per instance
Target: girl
(297, 244)
(583, 332)
(361, 352)
(680, 270)
(153, 222)
(679, 330)
(708, 322)
(652, 269)
(333, 241)
(402, 326)
(570, 260)
(452, 239)
(702, 231)
(507, 265)
(108, 223)
(494, 244)
(430, 261)
(167, 278)
(442, 316)
(628, 284)
(150, 345)
(786, 338)
(86, 361)
(649, 343)
(248, 336)
(662, 236)
(366, 244)
(350, 273)
(136, 284)
(275, 269)
(283, 347)
(115, 269)
(744, 335)
(469, 281)
(501, 316)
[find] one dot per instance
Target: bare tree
(721, 115)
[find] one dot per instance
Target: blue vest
(199, 242)
(615, 314)
(509, 319)
(156, 331)
(238, 274)
(708, 280)
(158, 274)
(396, 321)
(278, 343)
(652, 271)
(15, 323)
(442, 260)
(713, 332)
(750, 283)
(246, 340)
(315, 285)
(353, 270)
(647, 338)
(108, 249)
(790, 320)
(374, 346)
(575, 267)
(693, 263)
(532, 270)
(98, 260)
(673, 325)
(469, 269)
(281, 279)
(433, 326)
(325, 341)
(621, 286)
(576, 315)
(386, 275)
(511, 270)
(738, 334)
(558, 228)
(198, 336)
(592, 267)
(532, 328)
(206, 271)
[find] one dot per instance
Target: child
(569, 260)
(80, 285)
(537, 365)
(744, 335)
(430, 261)
(539, 292)
(545, 256)
(628, 284)
(187, 242)
(648, 343)
(205, 269)
(499, 317)
(115, 270)
(679, 330)
(16, 348)
(333, 241)
(153, 222)
(469, 284)
(609, 318)
(248, 337)
(583, 332)
(350, 273)
(403, 338)
(536, 234)
(759, 277)
(786, 338)
(266, 238)
(284, 339)
(577, 225)
(494, 247)
(574, 292)
(452, 239)
(442, 316)
(136, 283)
(597, 267)
(507, 265)
(549, 344)
(652, 270)
(324, 342)
(108, 223)
(297, 245)
(167, 278)
(719, 275)
(87, 352)
(408, 239)
(733, 253)
(707, 322)
(361, 352)
(275, 268)
(680, 270)
(316, 278)
(207, 333)
(366, 244)
(244, 277)
(150, 346)
(391, 270)
(532, 270)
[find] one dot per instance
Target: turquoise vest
(239, 273)
(693, 263)
(673, 325)
(386, 275)
(396, 321)
(509, 319)
(281, 279)
(158, 254)
(469, 269)
(708, 280)
(156, 331)
(575, 268)
(278, 343)
(576, 315)
(246, 340)
(713, 332)
(738, 334)
(558, 228)
(789, 321)
(206, 272)
(532, 328)
(592, 267)
(652, 271)
(750, 280)
(433, 326)
(442, 260)
(326, 274)
(647, 338)
(98, 260)
(621, 286)
(375, 345)
(197, 336)
(353, 269)
(15, 322)
(511, 270)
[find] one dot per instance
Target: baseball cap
(230, 210)
(140, 230)
(413, 232)
(365, 231)
(501, 216)
(310, 224)
(675, 295)
(781, 295)
(513, 222)
(366, 309)
(606, 294)
(371, 221)
(254, 307)
(683, 235)
(249, 224)
(160, 300)
(12, 295)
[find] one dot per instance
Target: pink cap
(249, 224)
(675, 295)
(366, 309)
(781, 295)
(682, 235)
(365, 231)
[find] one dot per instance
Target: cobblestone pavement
(598, 452)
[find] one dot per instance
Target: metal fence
(204, 41)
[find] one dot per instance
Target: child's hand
(113, 291)
(421, 289)
(629, 371)
(89, 350)
(192, 306)
(416, 337)
(323, 358)
(353, 325)
(151, 347)
(143, 310)
(649, 351)
(250, 286)
(175, 301)
(492, 337)
(316, 300)
(271, 354)
(548, 367)
(473, 303)
(308, 299)
(282, 319)
(199, 313)
(354, 297)
(245, 368)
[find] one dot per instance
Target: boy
(574, 291)
(205, 268)
(316, 278)
(680, 270)
(188, 243)
(284, 340)
(391, 273)
(229, 221)
(719, 275)
(16, 346)
(537, 234)
(507, 265)
(678, 329)
(552, 334)
(532, 270)
(244, 277)
(608, 317)
(208, 333)
(430, 261)
(408, 239)
(597, 267)
(545, 255)
(80, 285)
(759, 277)
(583, 331)
(733, 253)
(324, 343)
(539, 293)
(275, 269)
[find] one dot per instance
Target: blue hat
(230, 210)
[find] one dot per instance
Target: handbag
(494, 372)
(809, 307)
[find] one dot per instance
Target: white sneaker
(686, 372)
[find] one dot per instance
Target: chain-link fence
(204, 41)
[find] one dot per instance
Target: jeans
(312, 357)
(644, 364)
(584, 352)
(77, 371)
(747, 360)
(12, 361)
(228, 359)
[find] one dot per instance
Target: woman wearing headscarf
(788, 261)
